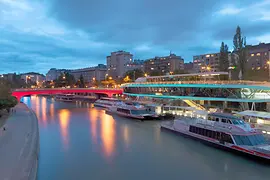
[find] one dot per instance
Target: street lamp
(145, 75)
(268, 62)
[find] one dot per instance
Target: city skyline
(39, 35)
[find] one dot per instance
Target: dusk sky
(36, 35)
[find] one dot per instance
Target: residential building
(54, 73)
(188, 67)
(206, 62)
(136, 64)
(258, 57)
(33, 77)
(117, 63)
(90, 74)
(165, 64)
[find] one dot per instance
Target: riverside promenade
(19, 145)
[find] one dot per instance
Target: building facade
(206, 62)
(188, 67)
(54, 73)
(166, 64)
(258, 57)
(118, 63)
(136, 64)
(33, 78)
(91, 74)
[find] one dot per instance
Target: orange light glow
(93, 114)
(44, 110)
(108, 134)
(64, 117)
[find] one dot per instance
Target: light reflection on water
(64, 117)
(108, 134)
(77, 142)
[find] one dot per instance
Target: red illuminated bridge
(19, 93)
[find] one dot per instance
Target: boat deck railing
(264, 83)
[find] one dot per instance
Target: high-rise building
(117, 63)
(258, 57)
(90, 74)
(165, 64)
(206, 62)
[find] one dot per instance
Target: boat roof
(223, 115)
(259, 114)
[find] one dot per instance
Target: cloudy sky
(36, 35)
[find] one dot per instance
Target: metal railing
(264, 83)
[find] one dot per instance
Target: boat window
(229, 121)
(217, 119)
(226, 138)
(224, 120)
(139, 111)
(251, 140)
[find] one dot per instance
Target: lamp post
(268, 62)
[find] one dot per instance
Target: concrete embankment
(19, 145)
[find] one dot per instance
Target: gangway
(193, 104)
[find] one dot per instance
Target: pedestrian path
(19, 145)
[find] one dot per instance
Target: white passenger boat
(65, 97)
(106, 102)
(132, 110)
(223, 131)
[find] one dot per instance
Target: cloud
(39, 34)
(230, 11)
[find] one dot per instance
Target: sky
(36, 35)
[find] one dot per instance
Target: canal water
(78, 142)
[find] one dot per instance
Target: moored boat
(106, 102)
(65, 97)
(132, 110)
(224, 131)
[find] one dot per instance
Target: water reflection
(64, 117)
(93, 117)
(44, 110)
(52, 110)
(126, 135)
(108, 134)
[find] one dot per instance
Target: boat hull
(132, 116)
(219, 146)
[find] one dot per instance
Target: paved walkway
(19, 145)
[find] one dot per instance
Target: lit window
(253, 68)
(258, 54)
(152, 63)
(212, 55)
(265, 53)
(168, 64)
(207, 55)
(152, 68)
(199, 64)
(252, 54)
(258, 68)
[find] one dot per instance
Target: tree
(239, 44)
(156, 73)
(133, 74)
(81, 83)
(6, 100)
(223, 58)
(179, 71)
(65, 79)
